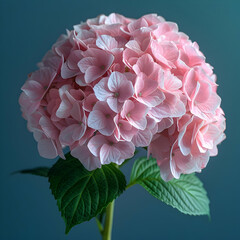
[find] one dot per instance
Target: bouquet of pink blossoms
(113, 84)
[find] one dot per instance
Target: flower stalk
(107, 231)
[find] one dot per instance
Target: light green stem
(100, 227)
(107, 232)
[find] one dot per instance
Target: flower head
(114, 83)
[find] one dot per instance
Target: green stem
(130, 184)
(99, 224)
(107, 232)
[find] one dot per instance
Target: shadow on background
(27, 209)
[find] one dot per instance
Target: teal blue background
(27, 209)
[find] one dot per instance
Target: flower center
(140, 94)
(120, 124)
(126, 69)
(129, 115)
(107, 115)
(116, 94)
(102, 67)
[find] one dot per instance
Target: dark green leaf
(186, 194)
(80, 194)
(39, 171)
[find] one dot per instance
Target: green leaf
(39, 171)
(81, 194)
(186, 194)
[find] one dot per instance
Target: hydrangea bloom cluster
(115, 83)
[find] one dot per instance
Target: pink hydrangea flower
(113, 84)
(115, 90)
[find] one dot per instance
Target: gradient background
(27, 209)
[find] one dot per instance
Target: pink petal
(144, 65)
(101, 90)
(114, 104)
(106, 42)
(154, 99)
(115, 81)
(48, 128)
(137, 24)
(47, 148)
(127, 107)
(93, 73)
(97, 120)
(126, 91)
(87, 62)
(172, 106)
(89, 102)
(142, 138)
(165, 52)
(89, 161)
(126, 149)
(164, 124)
(66, 72)
(171, 82)
(34, 90)
(44, 76)
(64, 109)
(71, 134)
(134, 46)
(184, 139)
(109, 154)
(189, 83)
(79, 131)
(95, 144)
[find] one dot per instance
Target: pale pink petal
(137, 24)
(164, 124)
(109, 154)
(126, 149)
(127, 107)
(135, 113)
(66, 72)
(126, 91)
(142, 138)
(154, 99)
(134, 46)
(144, 65)
(44, 76)
(172, 106)
(115, 81)
(165, 52)
(71, 134)
(114, 104)
(77, 113)
(97, 120)
(95, 144)
(87, 62)
(189, 83)
(34, 90)
(64, 109)
(184, 139)
(48, 128)
(106, 42)
(89, 161)
(79, 132)
(93, 73)
(89, 102)
(101, 90)
(47, 148)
